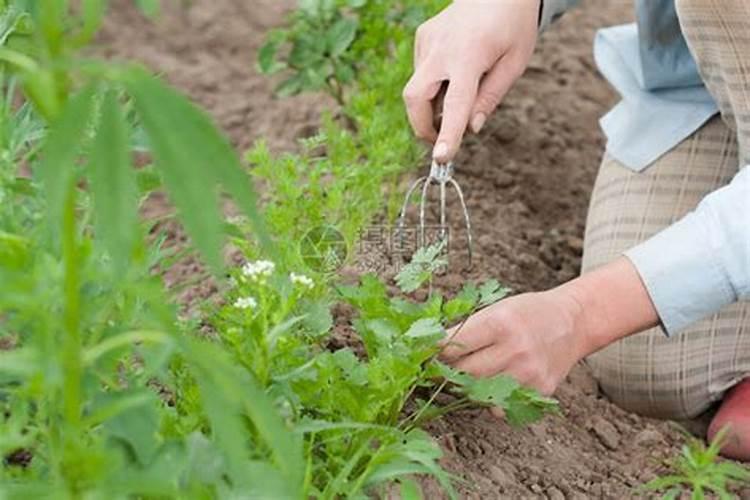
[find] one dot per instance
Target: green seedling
(699, 472)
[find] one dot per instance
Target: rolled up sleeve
(552, 10)
(701, 263)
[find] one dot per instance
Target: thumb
(457, 106)
(492, 90)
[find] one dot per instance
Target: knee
(651, 384)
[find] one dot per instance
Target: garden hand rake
(440, 174)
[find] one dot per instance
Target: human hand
(538, 337)
(480, 48)
(532, 337)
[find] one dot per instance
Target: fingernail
(440, 151)
(478, 122)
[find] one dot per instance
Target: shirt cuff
(552, 10)
(683, 274)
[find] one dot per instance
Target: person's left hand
(532, 337)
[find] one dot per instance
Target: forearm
(608, 304)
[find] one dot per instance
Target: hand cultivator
(442, 176)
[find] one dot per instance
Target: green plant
(329, 42)
(698, 471)
(88, 328)
(357, 409)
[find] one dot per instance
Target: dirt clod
(605, 431)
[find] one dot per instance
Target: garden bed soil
(527, 180)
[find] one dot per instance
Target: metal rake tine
(469, 239)
(443, 228)
(409, 193)
(422, 203)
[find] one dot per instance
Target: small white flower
(301, 279)
(245, 303)
(258, 270)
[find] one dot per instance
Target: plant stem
(71, 351)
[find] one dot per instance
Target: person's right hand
(480, 48)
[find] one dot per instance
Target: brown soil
(527, 180)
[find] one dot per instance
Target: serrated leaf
(341, 35)
(526, 406)
(450, 374)
(493, 391)
(423, 264)
(424, 328)
(113, 185)
(462, 304)
(491, 292)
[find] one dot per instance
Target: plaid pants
(649, 373)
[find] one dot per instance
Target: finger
(418, 96)
(437, 105)
(498, 412)
(459, 101)
(472, 336)
(483, 363)
(492, 90)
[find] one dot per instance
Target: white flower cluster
(301, 279)
(245, 303)
(258, 270)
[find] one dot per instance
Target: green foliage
(90, 327)
(353, 408)
(700, 472)
(105, 391)
(425, 262)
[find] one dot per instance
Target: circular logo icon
(323, 249)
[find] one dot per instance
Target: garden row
(106, 390)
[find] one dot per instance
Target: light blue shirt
(701, 263)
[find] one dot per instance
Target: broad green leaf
(113, 184)
(425, 327)
(137, 426)
(341, 35)
(318, 320)
(494, 391)
(61, 149)
(526, 406)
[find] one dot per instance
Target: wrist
(608, 304)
